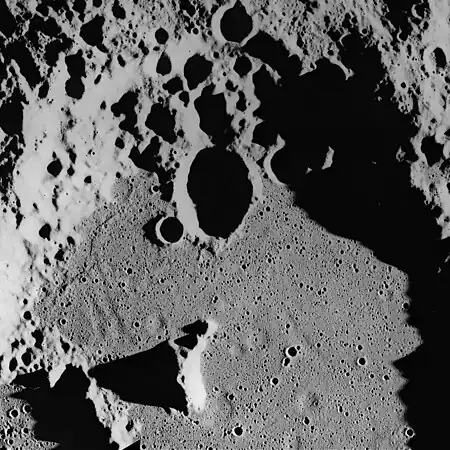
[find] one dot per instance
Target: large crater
(220, 188)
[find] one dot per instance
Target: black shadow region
(76, 67)
(126, 107)
(161, 120)
(146, 378)
(196, 70)
(220, 188)
(235, 23)
(171, 230)
(366, 194)
(214, 119)
(62, 413)
(150, 161)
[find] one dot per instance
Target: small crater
(12, 364)
(14, 413)
(212, 111)
(170, 230)
(241, 104)
(164, 65)
(54, 168)
(238, 431)
(291, 352)
(242, 66)
(118, 11)
(432, 150)
(286, 362)
(45, 231)
(440, 58)
(184, 98)
(265, 134)
(92, 32)
(161, 120)
(362, 361)
(174, 85)
(161, 36)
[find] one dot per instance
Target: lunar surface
(224, 224)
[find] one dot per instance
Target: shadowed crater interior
(236, 24)
(196, 70)
(161, 120)
(150, 161)
(76, 67)
(171, 229)
(220, 189)
(214, 120)
(125, 108)
(405, 14)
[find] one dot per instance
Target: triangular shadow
(62, 413)
(146, 378)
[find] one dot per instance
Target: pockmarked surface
(224, 224)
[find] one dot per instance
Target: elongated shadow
(134, 446)
(146, 378)
(62, 413)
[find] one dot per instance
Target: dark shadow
(150, 161)
(8, 22)
(199, 327)
(146, 378)
(92, 33)
(126, 109)
(161, 120)
(399, 13)
(366, 194)
(196, 70)
(221, 205)
(214, 119)
(236, 24)
(171, 229)
(164, 65)
(34, 380)
(11, 114)
(189, 341)
(174, 85)
(63, 414)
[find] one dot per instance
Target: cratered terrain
(223, 224)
